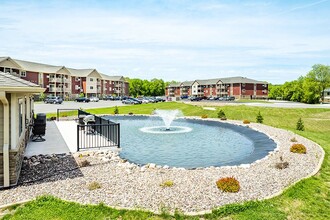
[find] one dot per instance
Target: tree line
(307, 89)
(140, 87)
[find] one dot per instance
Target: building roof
(207, 81)
(38, 67)
(327, 90)
(174, 85)
(8, 80)
(187, 83)
(112, 78)
(80, 72)
(239, 79)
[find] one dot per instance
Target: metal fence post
(78, 138)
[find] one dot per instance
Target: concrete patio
(61, 137)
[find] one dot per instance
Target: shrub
(221, 114)
(300, 125)
(84, 163)
(259, 118)
(281, 165)
(245, 121)
(204, 116)
(116, 110)
(228, 184)
(94, 185)
(130, 113)
(298, 148)
(167, 183)
(293, 139)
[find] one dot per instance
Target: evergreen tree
(259, 118)
(300, 125)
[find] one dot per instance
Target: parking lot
(41, 107)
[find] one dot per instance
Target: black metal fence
(101, 133)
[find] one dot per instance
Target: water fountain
(168, 116)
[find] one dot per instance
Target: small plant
(130, 113)
(167, 183)
(53, 118)
(281, 165)
(298, 148)
(116, 110)
(300, 125)
(64, 115)
(259, 118)
(293, 139)
(222, 115)
(84, 163)
(204, 116)
(94, 185)
(245, 121)
(228, 184)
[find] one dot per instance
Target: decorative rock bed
(127, 185)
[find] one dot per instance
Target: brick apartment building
(65, 82)
(239, 87)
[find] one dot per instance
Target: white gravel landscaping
(127, 185)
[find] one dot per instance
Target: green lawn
(308, 199)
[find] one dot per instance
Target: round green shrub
(204, 116)
(298, 148)
(228, 184)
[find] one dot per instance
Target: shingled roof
(38, 67)
(12, 83)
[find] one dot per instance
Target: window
(77, 79)
(20, 117)
(91, 79)
(243, 84)
(23, 74)
(91, 87)
(243, 90)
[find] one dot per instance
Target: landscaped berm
(273, 187)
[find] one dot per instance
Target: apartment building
(239, 87)
(65, 82)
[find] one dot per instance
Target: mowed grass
(308, 199)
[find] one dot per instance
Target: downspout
(5, 103)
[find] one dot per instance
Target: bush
(116, 110)
(245, 121)
(204, 116)
(281, 165)
(84, 163)
(221, 114)
(130, 113)
(94, 185)
(293, 139)
(259, 118)
(298, 148)
(167, 183)
(228, 184)
(300, 125)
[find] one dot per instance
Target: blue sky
(276, 41)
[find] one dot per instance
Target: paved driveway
(41, 107)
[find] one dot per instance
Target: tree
(259, 118)
(275, 91)
(300, 125)
(321, 74)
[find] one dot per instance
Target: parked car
(111, 98)
(130, 101)
(196, 99)
(82, 99)
(54, 100)
(94, 99)
(160, 99)
(184, 97)
(136, 100)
